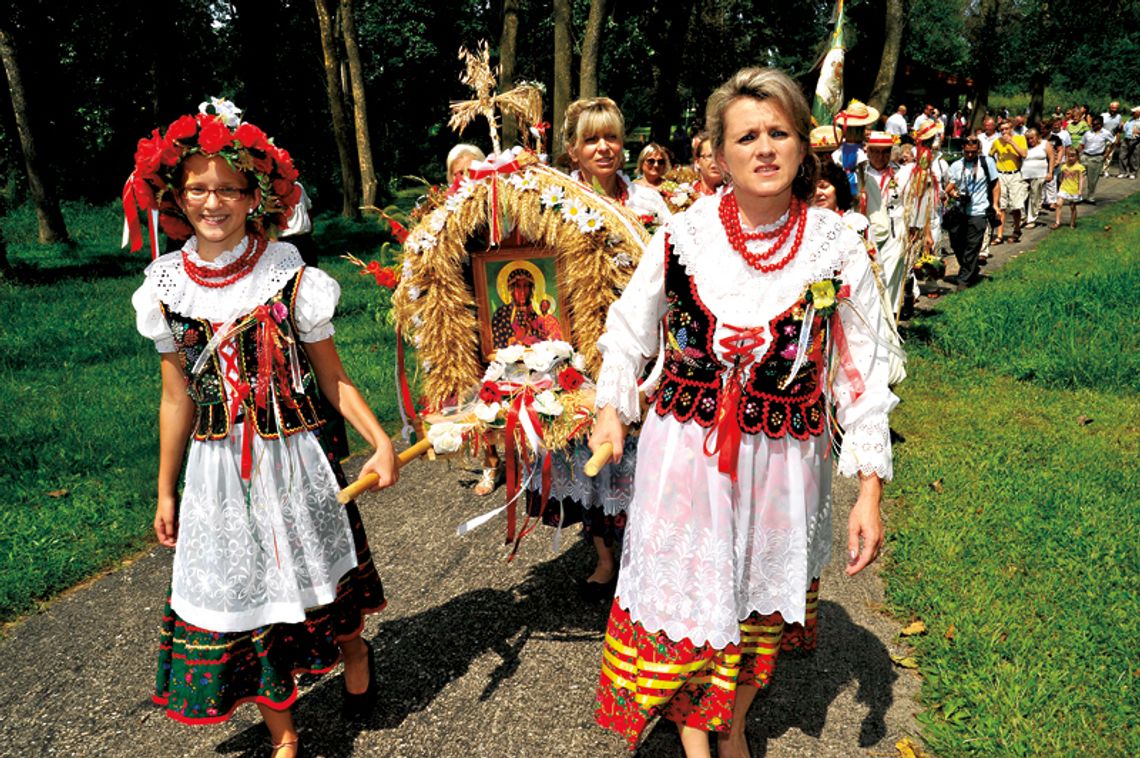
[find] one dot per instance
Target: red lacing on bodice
(740, 347)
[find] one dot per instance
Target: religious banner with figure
(828, 98)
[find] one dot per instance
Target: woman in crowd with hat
(732, 500)
(272, 576)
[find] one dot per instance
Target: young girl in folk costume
(1072, 188)
(730, 518)
(271, 577)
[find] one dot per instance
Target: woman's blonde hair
(458, 152)
(649, 150)
(589, 117)
(764, 84)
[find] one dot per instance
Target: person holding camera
(973, 187)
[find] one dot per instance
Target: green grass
(79, 449)
(1015, 520)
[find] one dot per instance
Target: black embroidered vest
(692, 375)
(299, 412)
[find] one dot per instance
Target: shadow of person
(803, 689)
(417, 656)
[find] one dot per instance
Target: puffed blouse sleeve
(631, 333)
(863, 414)
(316, 300)
(149, 319)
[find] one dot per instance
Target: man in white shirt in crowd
(1112, 122)
(926, 116)
(1094, 143)
(896, 124)
(988, 134)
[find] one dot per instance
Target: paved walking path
(477, 657)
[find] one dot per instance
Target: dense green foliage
(79, 448)
(1012, 530)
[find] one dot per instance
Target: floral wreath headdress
(217, 130)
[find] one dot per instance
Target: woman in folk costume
(922, 184)
(271, 577)
(730, 519)
(594, 135)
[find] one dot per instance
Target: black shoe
(359, 706)
(596, 592)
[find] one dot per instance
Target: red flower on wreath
(215, 135)
(570, 379)
(183, 128)
(385, 277)
(282, 187)
(251, 136)
(490, 393)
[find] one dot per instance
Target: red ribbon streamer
(740, 347)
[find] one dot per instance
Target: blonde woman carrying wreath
(272, 576)
(730, 518)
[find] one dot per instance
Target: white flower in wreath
(417, 322)
(546, 403)
(578, 362)
(467, 187)
(622, 260)
(539, 358)
(573, 210)
(427, 241)
(552, 196)
(445, 437)
(494, 371)
(436, 221)
(406, 269)
(412, 246)
(679, 197)
(510, 354)
(488, 413)
(414, 293)
(229, 113)
(452, 203)
(590, 221)
(560, 348)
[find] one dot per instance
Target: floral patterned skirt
(646, 674)
(203, 676)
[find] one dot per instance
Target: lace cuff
(317, 297)
(617, 388)
(867, 449)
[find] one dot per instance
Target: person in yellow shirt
(1072, 188)
(1008, 151)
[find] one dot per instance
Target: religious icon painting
(519, 298)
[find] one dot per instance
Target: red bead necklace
(231, 272)
(737, 237)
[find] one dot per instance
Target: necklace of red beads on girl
(737, 237)
(231, 272)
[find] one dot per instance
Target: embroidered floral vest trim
(212, 412)
(692, 374)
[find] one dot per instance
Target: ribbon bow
(740, 346)
(503, 164)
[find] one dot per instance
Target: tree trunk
(668, 32)
(508, 50)
(563, 55)
(591, 50)
(48, 215)
(344, 143)
(1037, 81)
(360, 110)
(5, 265)
(889, 63)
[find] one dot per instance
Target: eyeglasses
(655, 161)
(197, 194)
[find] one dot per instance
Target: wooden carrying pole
(363, 483)
(600, 458)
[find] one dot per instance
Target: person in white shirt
(988, 135)
(1094, 144)
(1112, 121)
(1129, 156)
(1034, 170)
(924, 117)
(896, 124)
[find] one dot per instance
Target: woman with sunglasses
(652, 166)
(272, 577)
(731, 511)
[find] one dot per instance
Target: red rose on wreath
(215, 136)
(570, 379)
(282, 188)
(250, 136)
(490, 393)
(170, 155)
(263, 165)
(185, 127)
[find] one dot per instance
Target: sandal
(995, 240)
(1015, 238)
(488, 481)
(1054, 226)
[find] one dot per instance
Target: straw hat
(857, 113)
(927, 131)
(881, 139)
(823, 139)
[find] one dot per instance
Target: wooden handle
(600, 458)
(352, 491)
